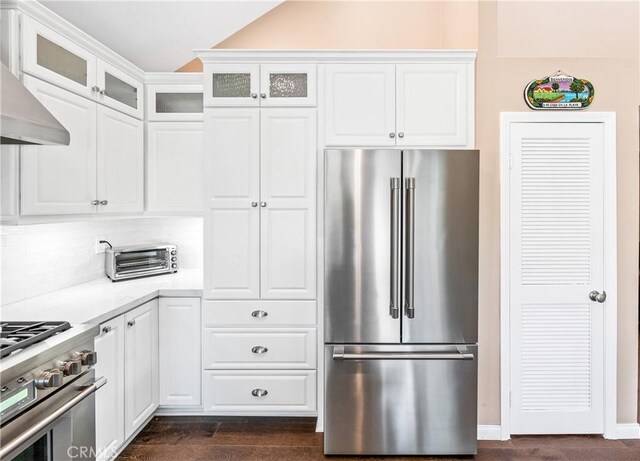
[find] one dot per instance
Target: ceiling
(160, 35)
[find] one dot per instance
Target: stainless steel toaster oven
(127, 262)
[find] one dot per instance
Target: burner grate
(15, 336)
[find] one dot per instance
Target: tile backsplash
(41, 258)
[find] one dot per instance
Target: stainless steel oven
(129, 262)
(62, 428)
(47, 399)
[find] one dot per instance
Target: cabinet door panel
(232, 217)
(434, 106)
(180, 366)
(120, 162)
(119, 90)
(287, 85)
(288, 160)
(360, 105)
(110, 398)
(174, 166)
(141, 365)
(229, 85)
(61, 179)
(50, 56)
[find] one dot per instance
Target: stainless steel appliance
(23, 119)
(401, 301)
(129, 262)
(47, 401)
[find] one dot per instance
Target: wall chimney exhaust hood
(23, 119)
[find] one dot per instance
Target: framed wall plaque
(559, 91)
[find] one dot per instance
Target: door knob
(597, 296)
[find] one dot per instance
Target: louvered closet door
(557, 258)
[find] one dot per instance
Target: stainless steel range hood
(23, 119)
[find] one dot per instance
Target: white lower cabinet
(256, 392)
(110, 398)
(259, 357)
(180, 367)
(141, 365)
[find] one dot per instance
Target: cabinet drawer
(258, 313)
(234, 348)
(234, 391)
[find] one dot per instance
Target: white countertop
(101, 299)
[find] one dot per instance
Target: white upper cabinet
(232, 85)
(119, 90)
(174, 102)
(434, 105)
(254, 85)
(287, 203)
(52, 57)
(59, 180)
(287, 85)
(174, 166)
(232, 193)
(120, 162)
(429, 104)
(360, 105)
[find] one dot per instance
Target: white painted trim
(322, 56)
(44, 15)
(628, 431)
(608, 119)
(177, 78)
(489, 432)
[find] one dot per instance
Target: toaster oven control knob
(173, 252)
(88, 358)
(173, 258)
(71, 367)
(174, 265)
(51, 378)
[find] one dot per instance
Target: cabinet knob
(254, 95)
(131, 322)
(259, 350)
(263, 204)
(263, 95)
(95, 202)
(104, 202)
(259, 392)
(254, 204)
(106, 330)
(401, 135)
(392, 135)
(259, 314)
(95, 88)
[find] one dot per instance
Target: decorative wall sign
(559, 91)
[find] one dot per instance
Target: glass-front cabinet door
(232, 85)
(119, 90)
(51, 57)
(173, 102)
(287, 85)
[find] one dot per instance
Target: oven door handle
(43, 423)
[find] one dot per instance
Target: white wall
(41, 258)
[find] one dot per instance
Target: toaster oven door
(139, 263)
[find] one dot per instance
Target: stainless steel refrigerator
(401, 301)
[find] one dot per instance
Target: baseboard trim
(628, 431)
(489, 432)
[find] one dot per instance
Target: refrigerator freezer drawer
(401, 400)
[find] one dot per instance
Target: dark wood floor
(295, 439)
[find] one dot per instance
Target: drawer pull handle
(259, 350)
(259, 314)
(259, 392)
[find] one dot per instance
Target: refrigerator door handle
(410, 186)
(339, 354)
(394, 302)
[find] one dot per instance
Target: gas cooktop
(15, 336)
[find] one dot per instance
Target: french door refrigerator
(401, 301)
